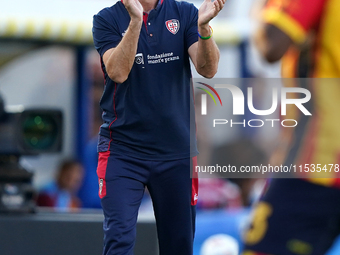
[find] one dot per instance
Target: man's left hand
(209, 10)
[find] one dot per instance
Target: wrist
(136, 22)
(204, 30)
(202, 34)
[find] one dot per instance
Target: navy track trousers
(122, 180)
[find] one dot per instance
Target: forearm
(207, 53)
(120, 61)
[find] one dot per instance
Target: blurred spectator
(88, 192)
(242, 152)
(60, 193)
(217, 193)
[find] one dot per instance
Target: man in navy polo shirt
(145, 140)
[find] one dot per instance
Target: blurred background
(48, 62)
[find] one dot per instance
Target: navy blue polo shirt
(150, 114)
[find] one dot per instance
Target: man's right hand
(119, 61)
(135, 9)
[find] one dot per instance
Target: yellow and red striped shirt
(314, 27)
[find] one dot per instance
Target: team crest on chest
(172, 25)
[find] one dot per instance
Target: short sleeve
(191, 31)
(294, 17)
(105, 34)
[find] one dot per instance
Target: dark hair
(64, 167)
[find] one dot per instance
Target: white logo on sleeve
(172, 25)
(101, 186)
(139, 59)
